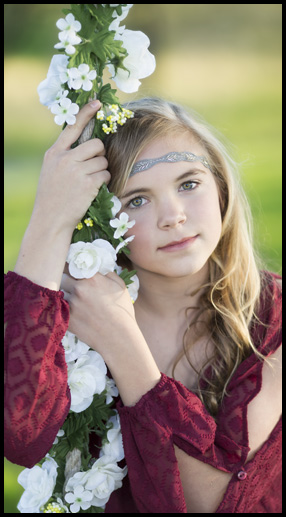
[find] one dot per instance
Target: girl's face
(176, 209)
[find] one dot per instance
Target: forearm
(43, 254)
(132, 367)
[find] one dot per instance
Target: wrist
(133, 367)
(50, 223)
(43, 254)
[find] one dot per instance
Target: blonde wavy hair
(229, 300)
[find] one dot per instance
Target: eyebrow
(145, 190)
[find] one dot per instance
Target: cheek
(209, 211)
(209, 214)
(142, 241)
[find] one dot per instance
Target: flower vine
(68, 479)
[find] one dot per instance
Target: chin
(178, 271)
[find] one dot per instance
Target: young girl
(197, 359)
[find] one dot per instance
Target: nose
(171, 213)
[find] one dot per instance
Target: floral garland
(68, 479)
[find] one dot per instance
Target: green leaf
(127, 275)
(86, 234)
(83, 97)
(107, 95)
(89, 23)
(105, 46)
(100, 209)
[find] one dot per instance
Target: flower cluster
(72, 77)
(39, 483)
(118, 116)
(89, 384)
(68, 479)
(84, 490)
(68, 35)
(93, 488)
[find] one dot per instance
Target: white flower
(124, 243)
(65, 111)
(140, 62)
(68, 25)
(80, 499)
(62, 94)
(60, 434)
(68, 42)
(86, 377)
(39, 484)
(111, 390)
(133, 288)
(81, 77)
(50, 87)
(73, 346)
(114, 446)
(116, 205)
(121, 224)
(114, 26)
(104, 477)
(85, 259)
(68, 37)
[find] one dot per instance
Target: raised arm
(69, 181)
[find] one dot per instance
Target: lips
(174, 245)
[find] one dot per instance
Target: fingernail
(94, 104)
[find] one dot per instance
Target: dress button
(242, 475)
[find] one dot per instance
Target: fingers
(93, 165)
(69, 283)
(96, 180)
(117, 279)
(89, 149)
(71, 133)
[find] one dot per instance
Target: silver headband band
(184, 156)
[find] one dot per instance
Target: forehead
(163, 145)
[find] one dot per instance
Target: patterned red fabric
(37, 398)
(37, 401)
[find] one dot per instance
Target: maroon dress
(37, 401)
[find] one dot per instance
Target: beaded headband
(183, 156)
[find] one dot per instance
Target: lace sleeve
(166, 415)
(37, 398)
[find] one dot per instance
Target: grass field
(240, 95)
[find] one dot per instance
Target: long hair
(229, 300)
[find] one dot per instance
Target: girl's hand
(102, 316)
(70, 178)
(101, 310)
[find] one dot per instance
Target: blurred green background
(222, 60)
